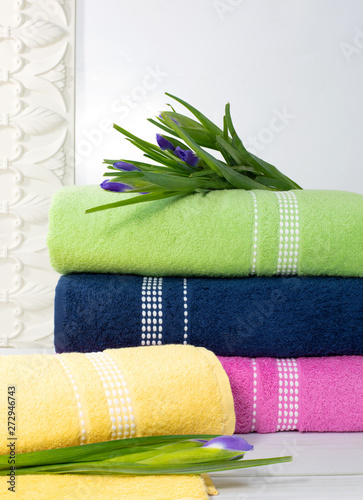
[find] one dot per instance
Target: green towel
(219, 233)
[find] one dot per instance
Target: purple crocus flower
(164, 143)
(115, 186)
(187, 155)
(123, 165)
(229, 443)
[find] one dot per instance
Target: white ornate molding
(37, 41)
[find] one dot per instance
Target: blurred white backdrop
(292, 70)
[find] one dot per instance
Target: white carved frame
(37, 49)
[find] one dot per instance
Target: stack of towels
(258, 294)
(268, 281)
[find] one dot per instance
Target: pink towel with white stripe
(305, 394)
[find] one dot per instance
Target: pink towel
(305, 394)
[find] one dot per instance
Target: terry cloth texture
(304, 394)
(276, 317)
(68, 399)
(228, 233)
(86, 487)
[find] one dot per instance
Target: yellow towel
(69, 399)
(79, 487)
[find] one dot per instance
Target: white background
(299, 58)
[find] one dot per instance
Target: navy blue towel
(274, 317)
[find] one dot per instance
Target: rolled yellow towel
(69, 399)
(79, 487)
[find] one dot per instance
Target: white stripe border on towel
(288, 395)
(185, 312)
(288, 252)
(151, 311)
(116, 394)
(254, 403)
(129, 420)
(70, 375)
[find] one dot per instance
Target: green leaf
(246, 168)
(201, 173)
(165, 158)
(146, 144)
(147, 167)
(185, 456)
(236, 179)
(217, 183)
(75, 453)
(138, 199)
(225, 128)
(134, 174)
(163, 127)
(112, 468)
(260, 165)
(195, 130)
(273, 183)
(208, 124)
(230, 150)
(236, 139)
(154, 155)
(173, 182)
(209, 159)
(147, 457)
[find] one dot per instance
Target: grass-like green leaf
(136, 456)
(206, 122)
(197, 131)
(236, 140)
(260, 165)
(173, 182)
(230, 150)
(113, 468)
(138, 199)
(102, 449)
(236, 179)
(162, 126)
(166, 175)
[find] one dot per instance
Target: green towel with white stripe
(220, 233)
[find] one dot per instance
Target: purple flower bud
(127, 167)
(187, 155)
(229, 443)
(164, 143)
(115, 186)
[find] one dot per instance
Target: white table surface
(325, 465)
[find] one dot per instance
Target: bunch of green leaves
(166, 175)
(141, 456)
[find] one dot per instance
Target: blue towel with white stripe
(272, 317)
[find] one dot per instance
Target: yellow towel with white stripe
(70, 399)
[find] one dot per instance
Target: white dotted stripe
(113, 403)
(255, 234)
(288, 405)
(114, 393)
(152, 311)
(80, 410)
(185, 302)
(127, 409)
(288, 237)
(254, 404)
